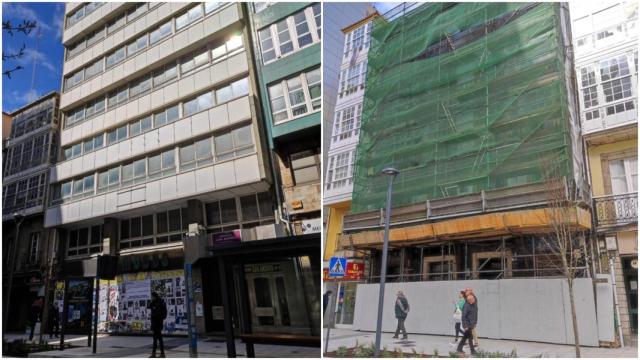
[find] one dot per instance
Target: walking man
(401, 309)
(325, 300)
(469, 291)
(158, 314)
(469, 320)
(35, 316)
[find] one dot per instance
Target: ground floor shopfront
(264, 286)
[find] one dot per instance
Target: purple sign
(226, 238)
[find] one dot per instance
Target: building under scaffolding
(475, 105)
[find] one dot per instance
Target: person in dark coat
(54, 320)
(469, 291)
(469, 321)
(35, 315)
(158, 314)
(325, 300)
(401, 310)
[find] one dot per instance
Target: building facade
(29, 152)
(605, 40)
(340, 146)
(477, 111)
(162, 137)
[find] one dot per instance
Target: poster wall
(124, 302)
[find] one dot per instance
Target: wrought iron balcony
(614, 210)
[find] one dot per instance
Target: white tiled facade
(172, 118)
(605, 41)
(339, 168)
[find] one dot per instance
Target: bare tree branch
(26, 27)
(8, 72)
(17, 55)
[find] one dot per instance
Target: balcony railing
(616, 209)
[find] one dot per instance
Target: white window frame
(293, 35)
(344, 162)
(34, 247)
(347, 127)
(285, 90)
(629, 172)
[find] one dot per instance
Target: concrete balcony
(615, 210)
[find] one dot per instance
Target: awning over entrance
(522, 222)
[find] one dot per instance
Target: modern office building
(162, 136)
(605, 40)
(28, 154)
(474, 104)
(340, 146)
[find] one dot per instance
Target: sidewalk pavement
(428, 343)
(175, 347)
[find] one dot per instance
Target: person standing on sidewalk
(54, 320)
(158, 314)
(469, 320)
(401, 310)
(457, 315)
(35, 315)
(469, 291)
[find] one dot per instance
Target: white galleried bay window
(295, 97)
(290, 34)
(347, 123)
(353, 79)
(358, 40)
(340, 170)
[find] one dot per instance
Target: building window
(136, 232)
(340, 170)
(296, 96)
(228, 48)
(159, 33)
(73, 80)
(590, 115)
(162, 164)
(194, 60)
(261, 5)
(166, 73)
(117, 135)
(34, 248)
(588, 76)
(197, 104)
(171, 225)
(94, 69)
(137, 45)
(232, 91)
(317, 15)
(621, 107)
(190, 16)
(115, 57)
(590, 96)
(166, 116)
(195, 155)
(140, 126)
(210, 6)
(234, 143)
(614, 68)
(139, 87)
(353, 79)
(254, 209)
(357, 40)
(624, 175)
(136, 11)
(347, 123)
(290, 34)
(115, 24)
(305, 166)
(617, 89)
(118, 97)
(84, 241)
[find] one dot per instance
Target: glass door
(269, 304)
(624, 178)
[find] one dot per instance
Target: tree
(25, 27)
(565, 241)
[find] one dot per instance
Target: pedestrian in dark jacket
(54, 321)
(401, 310)
(35, 315)
(469, 291)
(325, 300)
(469, 321)
(158, 314)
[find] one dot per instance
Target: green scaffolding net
(465, 97)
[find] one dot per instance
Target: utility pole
(391, 174)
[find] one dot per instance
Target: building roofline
(360, 22)
(41, 99)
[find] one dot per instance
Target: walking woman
(457, 315)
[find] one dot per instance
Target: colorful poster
(126, 303)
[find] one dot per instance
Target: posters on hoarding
(126, 303)
(79, 306)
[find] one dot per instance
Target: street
(428, 343)
(175, 347)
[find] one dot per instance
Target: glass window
(88, 146)
(614, 68)
(134, 128)
(114, 176)
(136, 226)
(145, 124)
(265, 204)
(115, 24)
(590, 96)
(76, 150)
(202, 102)
(249, 207)
(115, 57)
(147, 225)
(278, 104)
(224, 94)
(98, 141)
(139, 168)
(284, 38)
(302, 29)
(103, 180)
(78, 187)
(88, 184)
(240, 87)
(296, 96)
(160, 32)
(617, 89)
(210, 6)
(154, 166)
(228, 210)
(163, 223)
(317, 15)
(136, 11)
(168, 162)
(267, 46)
(127, 174)
(160, 118)
(234, 143)
(313, 83)
(188, 157)
(66, 189)
(305, 166)
(174, 220)
(124, 229)
(204, 152)
(192, 15)
(172, 114)
(94, 69)
(213, 213)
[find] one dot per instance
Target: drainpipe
(615, 300)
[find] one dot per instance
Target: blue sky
(47, 54)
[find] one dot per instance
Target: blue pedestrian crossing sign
(337, 266)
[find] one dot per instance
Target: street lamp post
(17, 218)
(391, 174)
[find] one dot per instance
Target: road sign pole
(191, 318)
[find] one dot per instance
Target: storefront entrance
(267, 290)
